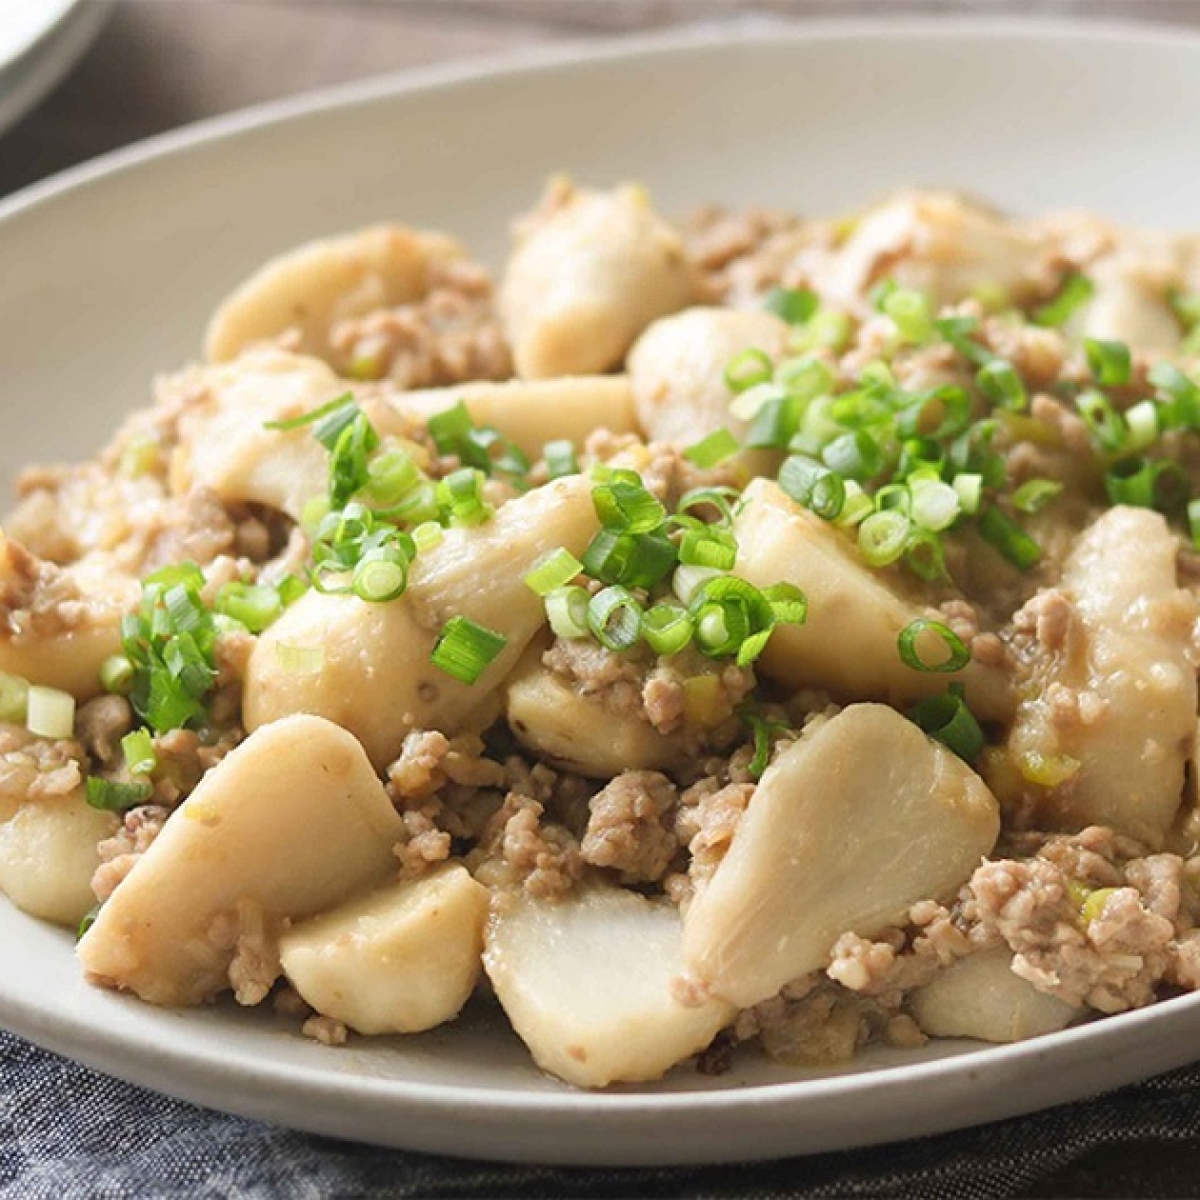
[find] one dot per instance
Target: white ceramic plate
(110, 271)
(40, 41)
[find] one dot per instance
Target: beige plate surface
(109, 272)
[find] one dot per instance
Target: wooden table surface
(161, 63)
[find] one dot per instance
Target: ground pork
(255, 964)
(34, 768)
(1111, 963)
(118, 854)
(424, 845)
(100, 724)
(183, 758)
(631, 828)
(518, 848)
(326, 1030)
(451, 335)
(708, 818)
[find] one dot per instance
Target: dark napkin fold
(69, 1131)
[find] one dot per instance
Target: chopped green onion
(1186, 306)
(746, 369)
(912, 314)
(667, 628)
(956, 331)
(1145, 483)
(380, 575)
(883, 536)
(290, 589)
(633, 559)
(300, 660)
(14, 698)
(89, 919)
(1035, 494)
(947, 719)
(687, 581)
(461, 494)
(1076, 290)
(730, 615)
(789, 605)
(391, 476)
(138, 749)
(747, 405)
(793, 305)
(827, 328)
(804, 377)
(1141, 422)
(856, 507)
(854, 455)
(999, 382)
(813, 485)
(938, 413)
(427, 536)
(718, 497)
(315, 415)
(566, 610)
(615, 618)
(419, 507)
(253, 605)
(1002, 532)
(1110, 362)
(450, 428)
(763, 731)
(775, 424)
(957, 654)
(140, 455)
(1182, 409)
(553, 571)
(627, 507)
(708, 546)
(1193, 515)
(349, 454)
(712, 450)
(49, 712)
(878, 294)
(924, 556)
(935, 505)
(560, 458)
(465, 649)
(312, 513)
(1107, 426)
(113, 796)
(969, 488)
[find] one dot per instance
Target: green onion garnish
(390, 477)
(1107, 426)
(427, 536)
(380, 575)
(627, 507)
(1110, 362)
(708, 546)
(113, 796)
(1002, 532)
(89, 919)
(290, 589)
(316, 414)
(999, 382)
(793, 305)
(1076, 290)
(883, 536)
(632, 559)
(712, 450)
(254, 606)
(615, 618)
(813, 485)
(49, 712)
(1146, 483)
(465, 650)
(667, 628)
(1193, 516)
(956, 331)
(912, 314)
(138, 749)
(14, 698)
(553, 571)
(460, 494)
(1033, 495)
(566, 610)
(805, 377)
(935, 505)
(957, 654)
(774, 424)
(948, 719)
(746, 369)
(560, 458)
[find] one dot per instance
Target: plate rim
(194, 1077)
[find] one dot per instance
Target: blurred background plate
(40, 41)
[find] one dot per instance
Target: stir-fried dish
(747, 630)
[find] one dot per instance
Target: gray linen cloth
(67, 1131)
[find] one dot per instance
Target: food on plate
(740, 631)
